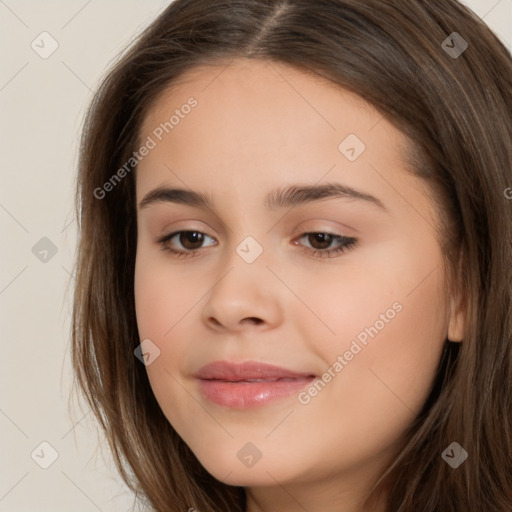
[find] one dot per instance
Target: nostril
(215, 321)
(255, 320)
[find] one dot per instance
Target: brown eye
(191, 239)
(319, 244)
(320, 240)
(183, 243)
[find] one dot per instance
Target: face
(294, 318)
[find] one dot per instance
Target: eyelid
(319, 226)
(346, 243)
(298, 233)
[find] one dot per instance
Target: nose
(244, 296)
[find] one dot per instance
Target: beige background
(42, 103)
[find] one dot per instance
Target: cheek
(163, 304)
(390, 345)
(162, 299)
(390, 302)
(388, 342)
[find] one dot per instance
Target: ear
(457, 321)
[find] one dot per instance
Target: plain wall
(42, 103)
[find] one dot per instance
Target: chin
(233, 467)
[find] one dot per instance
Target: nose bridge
(245, 264)
(245, 288)
(248, 238)
(250, 250)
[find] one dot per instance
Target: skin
(259, 126)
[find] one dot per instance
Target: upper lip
(249, 370)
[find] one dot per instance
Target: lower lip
(245, 395)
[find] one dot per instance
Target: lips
(249, 384)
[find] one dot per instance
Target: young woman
(294, 275)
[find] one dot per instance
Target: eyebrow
(288, 197)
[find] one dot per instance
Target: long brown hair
(453, 102)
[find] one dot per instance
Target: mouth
(250, 384)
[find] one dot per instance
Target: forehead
(268, 122)
(259, 90)
(255, 105)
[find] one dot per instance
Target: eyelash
(347, 243)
